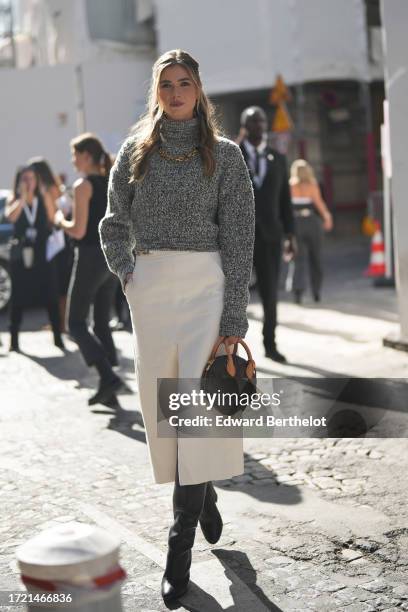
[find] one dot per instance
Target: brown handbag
(228, 374)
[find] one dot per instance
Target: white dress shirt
(250, 148)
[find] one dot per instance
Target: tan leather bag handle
(231, 369)
(246, 347)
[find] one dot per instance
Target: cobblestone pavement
(313, 524)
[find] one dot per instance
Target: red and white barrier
(72, 566)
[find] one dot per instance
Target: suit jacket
(273, 203)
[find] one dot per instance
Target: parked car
(6, 231)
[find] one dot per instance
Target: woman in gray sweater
(179, 233)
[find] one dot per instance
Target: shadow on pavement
(301, 366)
(272, 492)
(321, 331)
(314, 369)
(246, 572)
(70, 366)
(123, 422)
(67, 366)
(238, 570)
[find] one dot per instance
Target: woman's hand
(58, 218)
(230, 341)
(290, 248)
(128, 277)
(23, 191)
(328, 222)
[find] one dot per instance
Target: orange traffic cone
(377, 257)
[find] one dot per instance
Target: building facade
(86, 65)
(329, 54)
(79, 65)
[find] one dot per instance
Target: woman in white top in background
(311, 214)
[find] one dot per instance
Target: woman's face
(177, 93)
(28, 182)
(81, 161)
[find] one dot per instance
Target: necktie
(256, 162)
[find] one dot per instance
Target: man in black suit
(274, 217)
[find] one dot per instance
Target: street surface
(313, 524)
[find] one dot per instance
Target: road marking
(130, 537)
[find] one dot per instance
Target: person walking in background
(33, 277)
(121, 321)
(274, 217)
(64, 258)
(91, 284)
(310, 211)
(179, 233)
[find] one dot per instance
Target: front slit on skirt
(176, 301)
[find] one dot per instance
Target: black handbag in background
(230, 374)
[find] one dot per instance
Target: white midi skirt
(176, 301)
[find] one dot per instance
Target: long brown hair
(147, 129)
(91, 144)
(16, 184)
(43, 169)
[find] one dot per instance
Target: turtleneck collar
(179, 136)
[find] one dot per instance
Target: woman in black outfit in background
(54, 187)
(91, 284)
(33, 278)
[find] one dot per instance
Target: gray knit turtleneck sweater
(177, 207)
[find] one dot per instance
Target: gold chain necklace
(178, 158)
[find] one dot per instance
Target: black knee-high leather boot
(188, 502)
(210, 518)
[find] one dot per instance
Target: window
(373, 15)
(118, 21)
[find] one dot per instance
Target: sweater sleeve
(115, 228)
(236, 219)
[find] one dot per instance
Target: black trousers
(16, 317)
(267, 257)
(91, 284)
(36, 286)
(309, 238)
